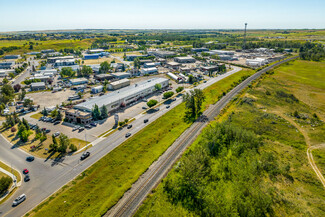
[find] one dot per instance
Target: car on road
(19, 200)
(145, 120)
(127, 135)
(85, 155)
(30, 158)
(157, 109)
(87, 126)
(129, 126)
(167, 107)
(27, 178)
(25, 171)
(93, 124)
(143, 107)
(81, 129)
(56, 134)
(204, 81)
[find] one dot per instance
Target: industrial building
(97, 89)
(121, 75)
(12, 57)
(118, 66)
(42, 78)
(3, 73)
(91, 56)
(103, 77)
(65, 62)
(162, 54)
(37, 86)
(150, 65)
(95, 51)
(187, 59)
(6, 65)
(78, 81)
(133, 56)
(123, 96)
(173, 65)
(198, 50)
(119, 84)
(257, 62)
(146, 71)
(54, 59)
(73, 115)
(210, 68)
(47, 51)
(174, 77)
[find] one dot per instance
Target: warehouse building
(78, 81)
(123, 96)
(91, 56)
(3, 73)
(42, 78)
(37, 86)
(97, 89)
(54, 59)
(103, 77)
(257, 62)
(95, 51)
(187, 59)
(12, 57)
(79, 117)
(133, 56)
(64, 62)
(121, 75)
(6, 65)
(210, 68)
(146, 71)
(198, 50)
(150, 65)
(162, 54)
(173, 65)
(119, 84)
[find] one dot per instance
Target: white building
(257, 62)
(97, 89)
(124, 96)
(119, 84)
(151, 70)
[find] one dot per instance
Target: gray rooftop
(119, 94)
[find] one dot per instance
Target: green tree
(104, 67)
(67, 72)
(168, 94)
(137, 63)
(45, 112)
(103, 112)
(5, 81)
(64, 143)
(85, 71)
(5, 182)
(191, 79)
(7, 93)
(28, 103)
(59, 116)
(179, 89)
(158, 86)
(152, 103)
(96, 113)
(73, 148)
(193, 101)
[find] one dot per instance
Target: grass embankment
(8, 168)
(266, 109)
(319, 157)
(39, 149)
(114, 174)
(37, 115)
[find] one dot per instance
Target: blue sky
(17, 15)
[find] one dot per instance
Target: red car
(25, 171)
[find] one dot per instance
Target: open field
(42, 45)
(100, 60)
(266, 111)
(127, 162)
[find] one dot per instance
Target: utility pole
(244, 46)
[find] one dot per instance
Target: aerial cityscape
(173, 108)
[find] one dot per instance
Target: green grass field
(268, 113)
(115, 173)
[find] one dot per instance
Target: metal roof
(119, 94)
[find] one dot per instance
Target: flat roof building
(91, 56)
(198, 50)
(103, 77)
(162, 54)
(119, 84)
(187, 59)
(124, 96)
(97, 89)
(78, 81)
(6, 65)
(54, 59)
(121, 75)
(146, 71)
(76, 116)
(12, 57)
(37, 86)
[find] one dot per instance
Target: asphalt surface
(48, 176)
(132, 199)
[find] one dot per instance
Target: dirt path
(309, 149)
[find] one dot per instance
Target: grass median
(101, 186)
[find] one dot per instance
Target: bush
(73, 148)
(168, 94)
(152, 103)
(179, 89)
(4, 184)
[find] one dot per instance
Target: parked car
(30, 158)
(56, 134)
(26, 178)
(144, 107)
(145, 120)
(93, 124)
(19, 199)
(129, 126)
(47, 130)
(81, 129)
(75, 128)
(167, 107)
(57, 122)
(87, 126)
(25, 171)
(127, 135)
(85, 155)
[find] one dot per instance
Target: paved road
(47, 176)
(135, 196)
(26, 73)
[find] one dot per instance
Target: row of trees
(62, 144)
(312, 51)
(5, 182)
(193, 102)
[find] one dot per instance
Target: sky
(22, 15)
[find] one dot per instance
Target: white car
(19, 199)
